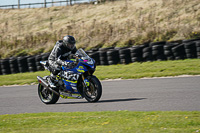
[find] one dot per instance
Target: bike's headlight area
(93, 64)
(90, 62)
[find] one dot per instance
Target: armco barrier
(109, 56)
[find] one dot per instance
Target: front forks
(86, 82)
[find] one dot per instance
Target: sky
(13, 2)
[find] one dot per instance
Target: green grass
(150, 69)
(103, 122)
(130, 71)
(109, 121)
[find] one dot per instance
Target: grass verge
(130, 71)
(103, 122)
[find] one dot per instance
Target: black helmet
(69, 42)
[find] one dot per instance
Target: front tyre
(93, 92)
(46, 96)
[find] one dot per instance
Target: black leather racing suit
(59, 52)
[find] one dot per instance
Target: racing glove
(61, 62)
(64, 63)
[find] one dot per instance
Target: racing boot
(52, 81)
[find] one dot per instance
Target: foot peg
(51, 84)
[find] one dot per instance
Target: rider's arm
(74, 50)
(57, 53)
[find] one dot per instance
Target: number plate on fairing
(70, 76)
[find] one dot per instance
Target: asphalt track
(166, 94)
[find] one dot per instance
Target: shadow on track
(106, 101)
(120, 100)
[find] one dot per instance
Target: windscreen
(82, 54)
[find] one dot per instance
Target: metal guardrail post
(18, 4)
(45, 4)
(70, 2)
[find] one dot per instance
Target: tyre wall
(156, 51)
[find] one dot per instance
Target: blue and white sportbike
(77, 82)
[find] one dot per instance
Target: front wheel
(46, 96)
(93, 92)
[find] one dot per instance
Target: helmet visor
(70, 45)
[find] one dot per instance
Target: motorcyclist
(61, 51)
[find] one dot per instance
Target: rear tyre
(94, 91)
(46, 96)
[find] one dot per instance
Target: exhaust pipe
(45, 84)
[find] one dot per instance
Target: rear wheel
(94, 91)
(46, 96)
